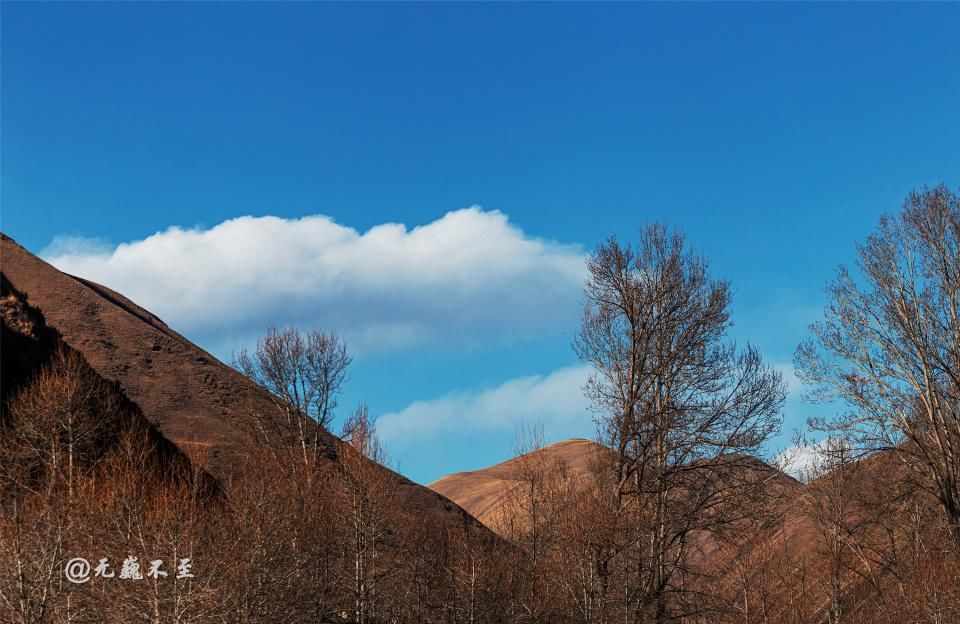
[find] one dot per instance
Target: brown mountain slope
(482, 492)
(192, 399)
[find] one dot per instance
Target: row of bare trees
(81, 472)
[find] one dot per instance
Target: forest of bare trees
(676, 521)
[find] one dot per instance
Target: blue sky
(508, 139)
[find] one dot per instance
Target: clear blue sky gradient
(773, 134)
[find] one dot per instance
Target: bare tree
(591, 539)
(680, 405)
(889, 344)
(829, 503)
(304, 372)
(64, 419)
(371, 516)
(530, 517)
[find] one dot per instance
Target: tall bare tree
(305, 373)
(889, 344)
(679, 403)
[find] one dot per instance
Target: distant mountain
(483, 492)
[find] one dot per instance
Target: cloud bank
(555, 400)
(467, 277)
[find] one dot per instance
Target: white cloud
(467, 277)
(555, 400)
